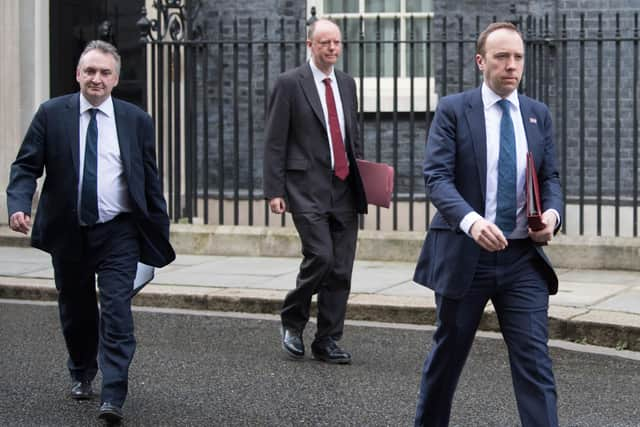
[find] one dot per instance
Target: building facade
(404, 55)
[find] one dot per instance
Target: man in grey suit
(310, 170)
(100, 211)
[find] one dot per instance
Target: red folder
(377, 179)
(534, 207)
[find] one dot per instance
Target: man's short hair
(312, 26)
(103, 47)
(482, 38)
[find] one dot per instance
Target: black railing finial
(313, 18)
(144, 25)
(174, 17)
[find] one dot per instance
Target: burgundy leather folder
(377, 179)
(534, 208)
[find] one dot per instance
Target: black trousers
(100, 337)
(328, 240)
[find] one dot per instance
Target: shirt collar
(106, 107)
(489, 97)
(319, 75)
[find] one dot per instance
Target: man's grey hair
(312, 27)
(103, 47)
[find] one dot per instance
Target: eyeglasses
(327, 43)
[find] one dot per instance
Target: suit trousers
(328, 246)
(110, 251)
(512, 279)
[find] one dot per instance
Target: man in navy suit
(479, 246)
(101, 210)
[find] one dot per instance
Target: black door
(73, 23)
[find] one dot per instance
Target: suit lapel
(72, 129)
(475, 118)
(311, 92)
(124, 140)
(531, 130)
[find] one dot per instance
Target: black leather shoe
(330, 352)
(292, 343)
(81, 390)
(110, 413)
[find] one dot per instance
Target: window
(381, 19)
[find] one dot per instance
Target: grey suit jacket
(297, 160)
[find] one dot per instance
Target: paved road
(219, 370)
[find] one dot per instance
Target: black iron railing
(210, 82)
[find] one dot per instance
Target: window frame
(387, 82)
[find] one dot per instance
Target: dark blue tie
(506, 197)
(89, 194)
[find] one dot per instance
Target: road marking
(565, 345)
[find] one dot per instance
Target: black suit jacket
(297, 160)
(52, 144)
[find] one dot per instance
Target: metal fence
(210, 81)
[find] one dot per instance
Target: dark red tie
(340, 167)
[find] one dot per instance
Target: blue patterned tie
(89, 194)
(506, 197)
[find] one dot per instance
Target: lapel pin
(533, 120)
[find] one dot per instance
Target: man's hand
(546, 234)
(20, 222)
(488, 235)
(277, 205)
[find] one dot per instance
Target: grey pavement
(600, 307)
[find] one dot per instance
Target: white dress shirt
(113, 192)
(492, 117)
(318, 77)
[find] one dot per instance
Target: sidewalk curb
(585, 332)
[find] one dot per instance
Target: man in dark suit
(479, 246)
(101, 210)
(310, 170)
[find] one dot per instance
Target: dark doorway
(74, 23)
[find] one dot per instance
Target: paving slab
(182, 259)
(15, 268)
(283, 282)
(45, 273)
(207, 279)
(578, 294)
(628, 302)
(21, 254)
(374, 276)
(620, 277)
(409, 288)
(264, 266)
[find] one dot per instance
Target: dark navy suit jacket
(51, 144)
(455, 176)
